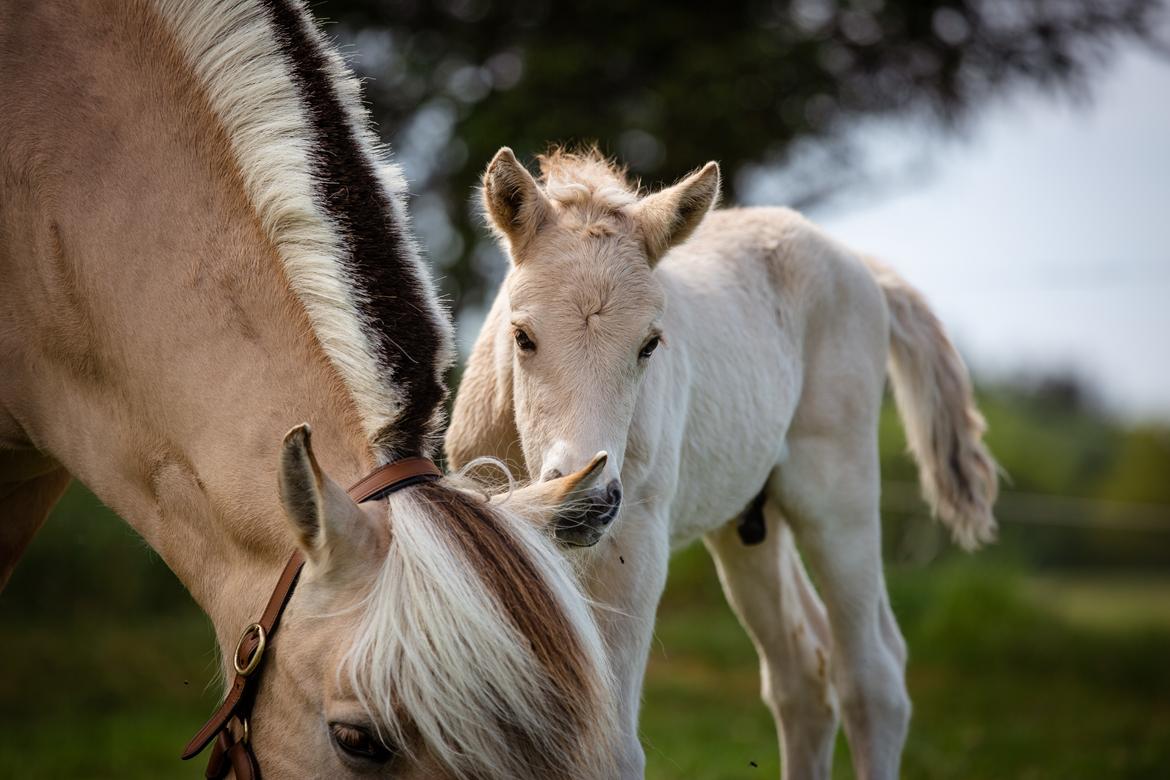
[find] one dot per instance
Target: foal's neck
(164, 355)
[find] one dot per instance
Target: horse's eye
(358, 743)
(649, 347)
(523, 342)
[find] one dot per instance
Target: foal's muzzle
(584, 520)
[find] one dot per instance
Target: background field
(1045, 657)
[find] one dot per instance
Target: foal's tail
(944, 428)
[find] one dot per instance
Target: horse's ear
(512, 199)
(327, 524)
(668, 217)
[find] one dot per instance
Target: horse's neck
(157, 352)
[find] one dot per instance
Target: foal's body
(771, 381)
(716, 409)
(769, 385)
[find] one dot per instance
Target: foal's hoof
(583, 521)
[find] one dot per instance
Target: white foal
(742, 368)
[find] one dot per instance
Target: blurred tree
(669, 85)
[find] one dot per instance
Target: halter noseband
(230, 753)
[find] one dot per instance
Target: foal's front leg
(625, 575)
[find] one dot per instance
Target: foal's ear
(668, 217)
(328, 525)
(512, 199)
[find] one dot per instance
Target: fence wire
(1024, 508)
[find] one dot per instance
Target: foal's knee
(878, 699)
(895, 642)
(802, 700)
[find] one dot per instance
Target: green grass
(110, 697)
(106, 669)
(1110, 601)
(1007, 680)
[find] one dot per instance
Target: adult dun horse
(201, 246)
(743, 367)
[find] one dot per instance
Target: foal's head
(585, 307)
(433, 635)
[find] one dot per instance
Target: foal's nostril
(613, 493)
(589, 515)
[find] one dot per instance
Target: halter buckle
(247, 667)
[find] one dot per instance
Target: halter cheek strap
(230, 752)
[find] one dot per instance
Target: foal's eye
(358, 743)
(523, 342)
(649, 347)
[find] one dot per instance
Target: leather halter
(232, 752)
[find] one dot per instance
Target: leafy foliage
(667, 86)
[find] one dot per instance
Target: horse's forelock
(476, 638)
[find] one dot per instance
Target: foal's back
(753, 298)
(775, 255)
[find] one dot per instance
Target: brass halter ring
(234, 712)
(254, 660)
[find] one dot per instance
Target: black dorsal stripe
(406, 327)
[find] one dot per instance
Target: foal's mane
(586, 179)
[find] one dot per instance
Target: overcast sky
(1043, 237)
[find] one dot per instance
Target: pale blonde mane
(234, 51)
(475, 634)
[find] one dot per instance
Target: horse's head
(584, 307)
(432, 635)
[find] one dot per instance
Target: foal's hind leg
(829, 490)
(23, 509)
(769, 590)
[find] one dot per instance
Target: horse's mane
(331, 202)
(497, 664)
(474, 635)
